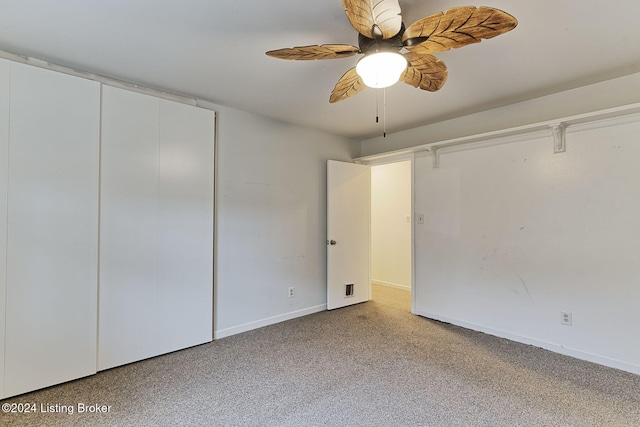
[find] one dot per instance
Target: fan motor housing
(392, 44)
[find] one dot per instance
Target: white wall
(514, 234)
(271, 219)
(391, 224)
(599, 96)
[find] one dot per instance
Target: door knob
(331, 242)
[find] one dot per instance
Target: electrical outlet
(292, 292)
(566, 318)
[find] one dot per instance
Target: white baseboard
(227, 332)
(556, 348)
(391, 284)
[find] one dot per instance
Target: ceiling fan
(383, 39)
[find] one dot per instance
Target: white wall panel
(5, 72)
(515, 234)
(52, 229)
(271, 219)
(128, 227)
(185, 226)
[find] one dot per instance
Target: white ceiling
(214, 50)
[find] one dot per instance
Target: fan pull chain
(384, 112)
(377, 115)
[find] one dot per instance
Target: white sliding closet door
(4, 177)
(185, 229)
(156, 271)
(128, 227)
(52, 223)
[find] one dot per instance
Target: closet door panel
(51, 306)
(185, 209)
(4, 177)
(129, 227)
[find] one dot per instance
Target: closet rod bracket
(559, 131)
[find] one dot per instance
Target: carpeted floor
(373, 364)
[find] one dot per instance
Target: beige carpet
(373, 364)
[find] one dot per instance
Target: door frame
(378, 161)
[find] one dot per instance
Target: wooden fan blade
(307, 53)
(348, 85)
(425, 72)
(375, 19)
(457, 27)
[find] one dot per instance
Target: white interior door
(348, 233)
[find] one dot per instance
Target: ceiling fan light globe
(381, 69)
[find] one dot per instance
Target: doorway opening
(391, 233)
